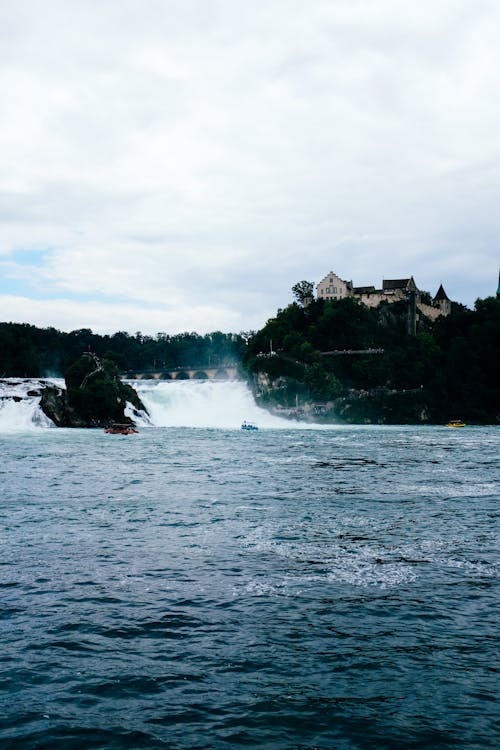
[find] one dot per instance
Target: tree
(303, 291)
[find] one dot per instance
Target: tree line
(28, 351)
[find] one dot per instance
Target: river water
(203, 587)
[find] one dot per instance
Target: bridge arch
(202, 372)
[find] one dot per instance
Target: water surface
(210, 588)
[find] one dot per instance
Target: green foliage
(323, 385)
(95, 394)
(28, 351)
(303, 291)
(98, 403)
(94, 390)
(451, 366)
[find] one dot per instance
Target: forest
(28, 351)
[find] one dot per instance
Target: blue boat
(249, 425)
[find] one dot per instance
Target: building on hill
(393, 290)
(333, 287)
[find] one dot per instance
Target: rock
(54, 405)
(94, 396)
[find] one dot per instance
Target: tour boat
(249, 425)
(455, 423)
(121, 429)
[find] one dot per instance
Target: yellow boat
(455, 423)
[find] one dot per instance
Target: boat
(121, 429)
(455, 423)
(251, 426)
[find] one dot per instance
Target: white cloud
(69, 315)
(205, 155)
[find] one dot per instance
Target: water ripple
(302, 589)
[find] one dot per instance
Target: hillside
(306, 363)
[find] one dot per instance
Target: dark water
(214, 589)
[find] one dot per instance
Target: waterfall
(183, 403)
(20, 407)
(203, 403)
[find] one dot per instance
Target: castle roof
(441, 294)
(364, 289)
(389, 284)
(328, 275)
(394, 283)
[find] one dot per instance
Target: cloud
(107, 317)
(197, 158)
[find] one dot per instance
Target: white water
(24, 414)
(203, 403)
(183, 403)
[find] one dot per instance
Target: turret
(442, 301)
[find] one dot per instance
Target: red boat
(121, 429)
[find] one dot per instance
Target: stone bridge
(229, 372)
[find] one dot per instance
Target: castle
(393, 290)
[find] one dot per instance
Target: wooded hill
(450, 369)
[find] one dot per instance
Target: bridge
(224, 372)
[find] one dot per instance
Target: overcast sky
(172, 165)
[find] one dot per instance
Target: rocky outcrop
(291, 399)
(384, 406)
(94, 396)
(54, 404)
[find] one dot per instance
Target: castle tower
(442, 301)
(412, 313)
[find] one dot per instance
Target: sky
(178, 165)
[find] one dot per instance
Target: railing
(182, 368)
(338, 352)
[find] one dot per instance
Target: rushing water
(19, 405)
(188, 403)
(286, 589)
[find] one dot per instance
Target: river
(196, 586)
